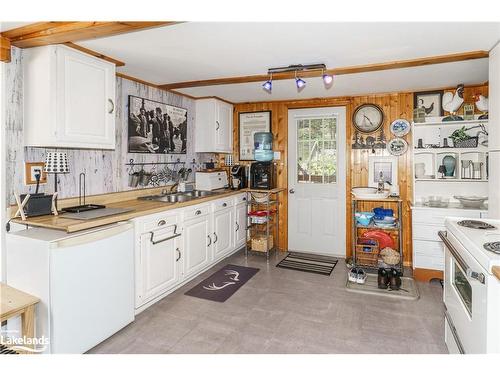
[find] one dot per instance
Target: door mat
(408, 289)
(223, 284)
(320, 264)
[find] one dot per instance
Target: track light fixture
(299, 82)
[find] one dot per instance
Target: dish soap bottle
(381, 182)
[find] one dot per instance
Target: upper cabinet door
(224, 127)
(85, 100)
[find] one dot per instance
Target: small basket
(262, 243)
(367, 255)
(390, 256)
(472, 142)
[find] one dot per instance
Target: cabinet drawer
(222, 204)
(241, 198)
(156, 221)
(428, 254)
(196, 211)
(427, 232)
(437, 216)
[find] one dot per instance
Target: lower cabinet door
(197, 245)
(223, 233)
(160, 266)
(240, 225)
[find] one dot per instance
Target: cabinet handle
(237, 226)
(161, 222)
(224, 204)
(112, 106)
(216, 238)
(198, 212)
(210, 238)
(178, 254)
(218, 125)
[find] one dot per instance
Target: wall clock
(367, 118)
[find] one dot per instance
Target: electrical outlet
(30, 171)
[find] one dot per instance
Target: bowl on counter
(364, 218)
(435, 201)
(365, 192)
(471, 201)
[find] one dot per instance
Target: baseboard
(426, 275)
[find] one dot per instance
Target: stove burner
(493, 247)
(475, 224)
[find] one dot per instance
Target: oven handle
(468, 271)
(454, 332)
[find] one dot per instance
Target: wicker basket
(472, 142)
(390, 256)
(367, 255)
(259, 243)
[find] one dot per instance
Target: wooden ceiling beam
(335, 71)
(94, 53)
(44, 33)
(4, 49)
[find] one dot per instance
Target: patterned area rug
(320, 264)
(223, 284)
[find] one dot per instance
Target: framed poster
(430, 102)
(250, 123)
(387, 165)
(156, 128)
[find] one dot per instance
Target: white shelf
(451, 150)
(449, 180)
(449, 123)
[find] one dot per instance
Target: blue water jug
(263, 146)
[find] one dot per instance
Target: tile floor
(285, 311)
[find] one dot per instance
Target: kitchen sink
(178, 197)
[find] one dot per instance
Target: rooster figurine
(482, 105)
(452, 102)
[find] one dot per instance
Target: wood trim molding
(4, 49)
(441, 59)
(425, 275)
(44, 33)
(94, 53)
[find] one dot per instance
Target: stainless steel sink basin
(178, 197)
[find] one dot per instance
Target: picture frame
(250, 123)
(155, 127)
(387, 164)
(430, 101)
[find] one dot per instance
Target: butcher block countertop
(496, 271)
(126, 200)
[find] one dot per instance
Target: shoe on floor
(362, 276)
(394, 279)
(383, 278)
(353, 275)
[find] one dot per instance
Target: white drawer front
(427, 232)
(437, 216)
(196, 211)
(156, 221)
(222, 204)
(428, 254)
(241, 198)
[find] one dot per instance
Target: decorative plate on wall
(397, 146)
(400, 127)
(368, 117)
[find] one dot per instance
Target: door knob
(292, 191)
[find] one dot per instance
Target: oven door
(465, 291)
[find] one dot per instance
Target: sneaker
(383, 278)
(394, 279)
(362, 276)
(353, 275)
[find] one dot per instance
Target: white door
(85, 100)
(223, 233)
(197, 245)
(223, 126)
(316, 180)
(159, 264)
(240, 225)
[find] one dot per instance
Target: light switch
(30, 171)
(277, 155)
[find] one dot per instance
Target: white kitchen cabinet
(240, 225)
(69, 99)
(197, 244)
(214, 126)
(223, 232)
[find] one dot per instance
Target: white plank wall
(105, 170)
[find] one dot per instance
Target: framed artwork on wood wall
(250, 123)
(155, 127)
(388, 165)
(430, 102)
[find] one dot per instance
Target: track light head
(268, 85)
(327, 79)
(300, 83)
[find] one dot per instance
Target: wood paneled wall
(394, 105)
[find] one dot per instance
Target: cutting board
(95, 214)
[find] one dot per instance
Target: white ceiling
(203, 50)
(4, 26)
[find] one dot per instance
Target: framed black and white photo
(249, 124)
(156, 128)
(430, 102)
(387, 165)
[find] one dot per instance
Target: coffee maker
(262, 175)
(238, 177)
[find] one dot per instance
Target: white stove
(471, 291)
